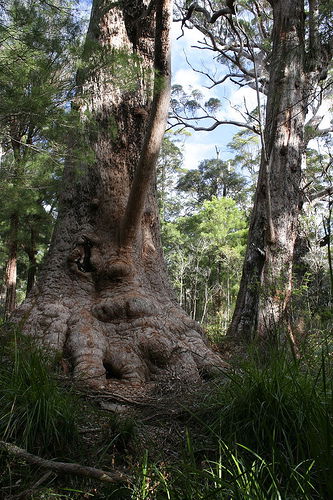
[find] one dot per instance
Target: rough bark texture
(11, 267)
(106, 306)
(30, 250)
(267, 273)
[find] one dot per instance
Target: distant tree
(204, 253)
(169, 167)
(213, 178)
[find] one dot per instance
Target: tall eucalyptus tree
(103, 298)
(301, 52)
(282, 49)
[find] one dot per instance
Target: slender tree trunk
(11, 267)
(266, 282)
(103, 298)
(31, 252)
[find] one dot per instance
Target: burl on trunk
(103, 298)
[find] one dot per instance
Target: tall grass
(35, 411)
(282, 412)
(264, 434)
(230, 477)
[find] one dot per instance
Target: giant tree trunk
(266, 282)
(103, 297)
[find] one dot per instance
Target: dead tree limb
(64, 467)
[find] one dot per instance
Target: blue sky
(201, 145)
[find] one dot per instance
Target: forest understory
(261, 430)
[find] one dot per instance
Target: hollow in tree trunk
(103, 298)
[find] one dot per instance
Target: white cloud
(240, 101)
(244, 98)
(194, 153)
(326, 112)
(186, 77)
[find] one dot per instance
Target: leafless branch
(214, 82)
(321, 194)
(194, 7)
(184, 121)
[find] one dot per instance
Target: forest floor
(261, 430)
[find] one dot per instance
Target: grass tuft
(281, 412)
(35, 411)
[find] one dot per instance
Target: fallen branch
(65, 468)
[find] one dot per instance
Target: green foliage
(35, 412)
(38, 54)
(246, 149)
(189, 103)
(169, 166)
(119, 67)
(204, 254)
(35, 61)
(213, 178)
(213, 105)
(239, 474)
(282, 411)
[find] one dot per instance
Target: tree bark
(11, 267)
(103, 298)
(30, 250)
(266, 283)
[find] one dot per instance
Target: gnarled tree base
(122, 337)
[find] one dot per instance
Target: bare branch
(214, 82)
(321, 194)
(184, 121)
(194, 7)
(312, 129)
